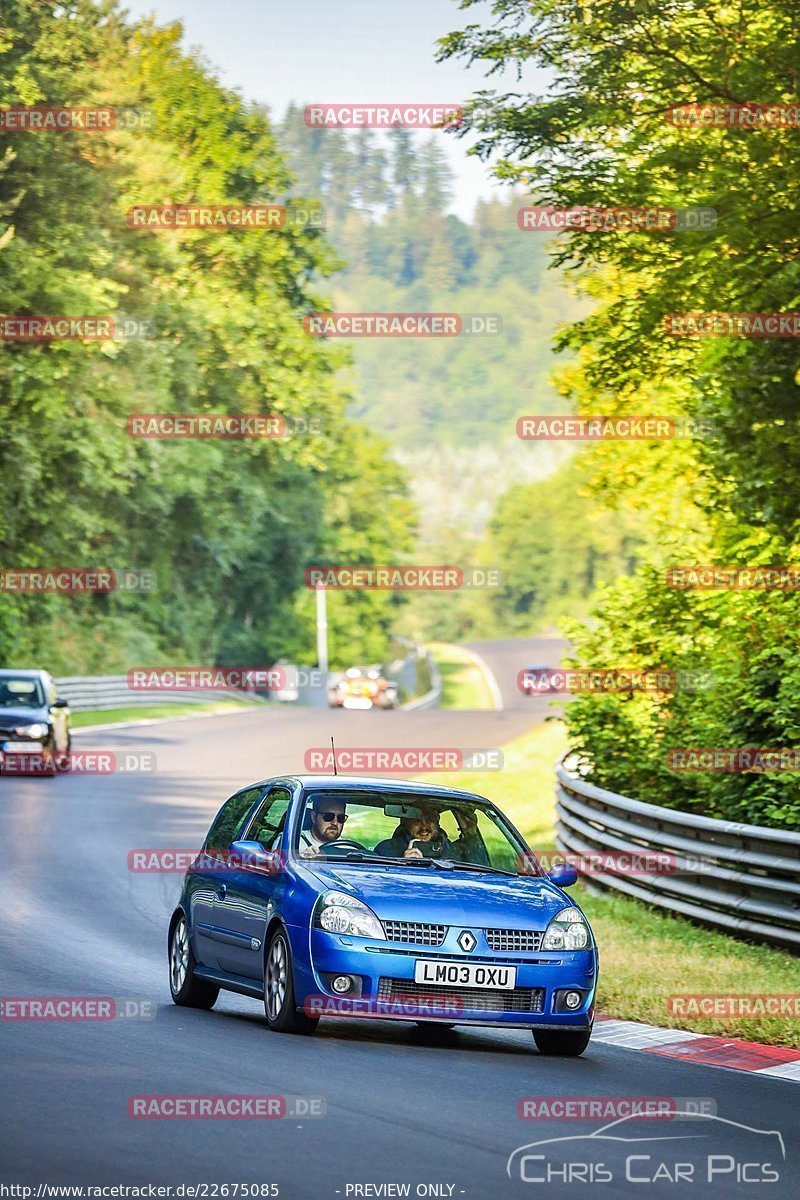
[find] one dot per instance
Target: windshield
(367, 826)
(20, 693)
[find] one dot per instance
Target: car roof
(361, 783)
(23, 673)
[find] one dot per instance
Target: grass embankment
(155, 712)
(646, 955)
(464, 684)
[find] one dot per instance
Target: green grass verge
(646, 955)
(150, 713)
(463, 682)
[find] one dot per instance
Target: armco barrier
(433, 696)
(744, 879)
(101, 692)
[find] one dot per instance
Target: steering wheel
(342, 844)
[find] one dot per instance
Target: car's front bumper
(385, 975)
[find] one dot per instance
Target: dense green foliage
(386, 204)
(227, 527)
(601, 137)
(554, 546)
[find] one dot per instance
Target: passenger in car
(423, 837)
(414, 832)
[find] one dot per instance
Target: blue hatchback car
(328, 895)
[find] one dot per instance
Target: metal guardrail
(744, 879)
(433, 696)
(102, 692)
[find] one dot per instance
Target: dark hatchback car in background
(34, 719)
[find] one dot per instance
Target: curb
(778, 1062)
(489, 676)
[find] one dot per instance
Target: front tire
(279, 1002)
(186, 990)
(569, 1044)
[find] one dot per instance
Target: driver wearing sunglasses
(327, 820)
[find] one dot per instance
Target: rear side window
(231, 818)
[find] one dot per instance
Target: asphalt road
(401, 1107)
(507, 658)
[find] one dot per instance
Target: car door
(208, 875)
(243, 907)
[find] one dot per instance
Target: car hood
(22, 716)
(448, 897)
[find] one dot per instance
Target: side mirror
(563, 875)
(251, 856)
(60, 702)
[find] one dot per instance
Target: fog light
(342, 983)
(573, 999)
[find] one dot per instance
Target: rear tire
(186, 989)
(564, 1045)
(279, 1001)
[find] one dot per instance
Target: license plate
(22, 747)
(457, 974)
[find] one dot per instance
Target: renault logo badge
(467, 941)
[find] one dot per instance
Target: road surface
(401, 1107)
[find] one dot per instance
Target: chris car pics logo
(699, 1148)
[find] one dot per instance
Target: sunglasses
(340, 818)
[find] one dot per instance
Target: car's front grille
(418, 934)
(514, 939)
(516, 1000)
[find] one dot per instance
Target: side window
(231, 818)
(267, 825)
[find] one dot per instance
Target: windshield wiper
(468, 866)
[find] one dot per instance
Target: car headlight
(31, 731)
(567, 931)
(340, 913)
